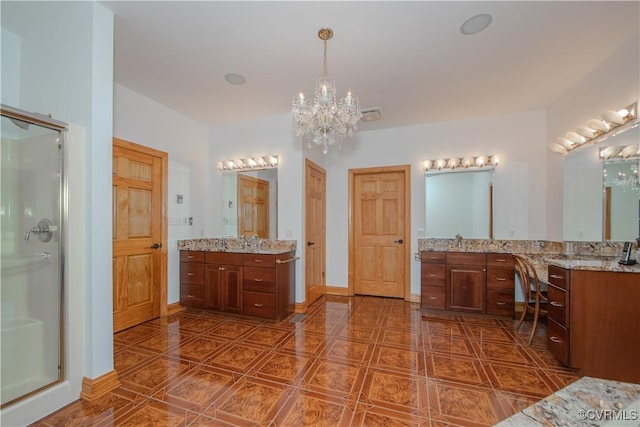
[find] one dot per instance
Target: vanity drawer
(431, 257)
(500, 260)
(501, 303)
(259, 304)
(192, 273)
(466, 258)
(433, 297)
(557, 307)
(223, 258)
(259, 279)
(191, 256)
(500, 278)
(192, 296)
(559, 277)
(558, 341)
(259, 260)
(433, 274)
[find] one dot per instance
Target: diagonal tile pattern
(348, 361)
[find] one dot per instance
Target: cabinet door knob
(221, 268)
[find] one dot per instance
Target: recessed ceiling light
(235, 79)
(476, 23)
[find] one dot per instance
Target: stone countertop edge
(579, 403)
(593, 265)
(269, 246)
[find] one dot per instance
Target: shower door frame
(61, 127)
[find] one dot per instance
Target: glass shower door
(31, 255)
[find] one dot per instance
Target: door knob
(156, 246)
(398, 241)
(311, 243)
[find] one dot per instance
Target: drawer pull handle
(191, 274)
(556, 304)
(257, 260)
(555, 276)
(555, 339)
(257, 280)
(279, 261)
(501, 303)
(501, 279)
(191, 296)
(433, 257)
(433, 275)
(501, 260)
(221, 268)
(258, 305)
(190, 257)
(433, 297)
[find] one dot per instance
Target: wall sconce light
(255, 163)
(613, 152)
(596, 130)
(461, 163)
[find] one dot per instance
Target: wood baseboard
(519, 307)
(337, 290)
(301, 307)
(415, 298)
(94, 388)
(174, 308)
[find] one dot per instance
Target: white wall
(143, 121)
(65, 69)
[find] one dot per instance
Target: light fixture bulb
(440, 163)
(481, 161)
(427, 164)
(453, 162)
(467, 161)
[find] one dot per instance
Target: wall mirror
(459, 201)
(250, 203)
(601, 197)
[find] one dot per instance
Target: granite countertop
(593, 265)
(234, 245)
(586, 402)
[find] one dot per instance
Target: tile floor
(360, 361)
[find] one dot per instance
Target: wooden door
(379, 230)
(315, 223)
(253, 206)
(139, 234)
(466, 288)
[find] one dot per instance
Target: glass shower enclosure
(32, 209)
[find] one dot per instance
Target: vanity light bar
(612, 152)
(595, 130)
(261, 162)
(460, 163)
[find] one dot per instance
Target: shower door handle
(44, 230)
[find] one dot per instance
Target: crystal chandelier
(327, 120)
(628, 181)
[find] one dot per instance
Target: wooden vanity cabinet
(468, 282)
(261, 285)
(432, 277)
(500, 285)
(192, 279)
(592, 322)
(223, 281)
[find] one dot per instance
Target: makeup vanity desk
(593, 321)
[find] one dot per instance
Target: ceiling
(408, 58)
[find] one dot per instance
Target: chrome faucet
(459, 240)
